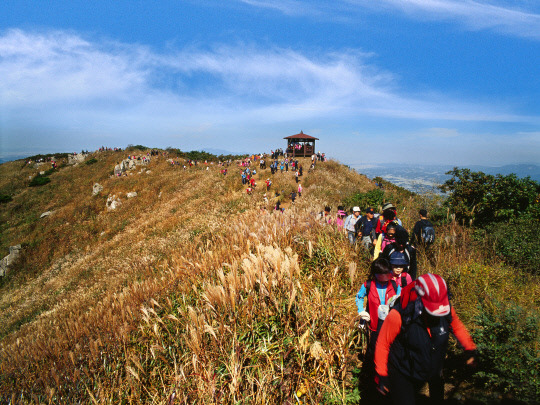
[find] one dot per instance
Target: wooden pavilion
(300, 145)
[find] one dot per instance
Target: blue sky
(429, 81)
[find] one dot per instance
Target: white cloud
(475, 15)
(60, 83)
(291, 7)
(512, 18)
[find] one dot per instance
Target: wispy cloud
(511, 18)
(65, 83)
(477, 15)
(290, 7)
(65, 68)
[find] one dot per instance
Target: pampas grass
(190, 293)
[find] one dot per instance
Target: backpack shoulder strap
(394, 284)
(403, 281)
(408, 254)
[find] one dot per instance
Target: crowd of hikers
(279, 163)
(408, 319)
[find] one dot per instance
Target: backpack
(359, 226)
(405, 252)
(368, 286)
(427, 234)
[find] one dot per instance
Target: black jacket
(416, 234)
(415, 353)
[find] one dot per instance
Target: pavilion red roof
(301, 135)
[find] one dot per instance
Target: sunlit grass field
(194, 291)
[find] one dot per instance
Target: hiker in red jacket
(378, 291)
(413, 340)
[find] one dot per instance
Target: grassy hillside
(191, 293)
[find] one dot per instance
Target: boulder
(42, 173)
(132, 194)
(14, 252)
(113, 203)
(46, 214)
(97, 189)
(78, 158)
(117, 170)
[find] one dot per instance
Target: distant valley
(426, 178)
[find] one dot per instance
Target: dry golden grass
(189, 293)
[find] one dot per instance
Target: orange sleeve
(460, 332)
(389, 330)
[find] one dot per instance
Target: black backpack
(358, 226)
(427, 233)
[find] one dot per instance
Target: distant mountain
(11, 158)
(520, 170)
(425, 178)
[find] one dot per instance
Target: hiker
(385, 238)
(293, 196)
(300, 190)
(413, 340)
(296, 176)
(389, 214)
(324, 216)
(350, 223)
(400, 266)
(340, 217)
(378, 289)
(268, 184)
(401, 245)
(423, 233)
(365, 228)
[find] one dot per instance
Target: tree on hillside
(505, 208)
(485, 199)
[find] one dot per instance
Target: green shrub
(4, 198)
(485, 199)
(372, 198)
(136, 147)
(507, 338)
(516, 242)
(50, 171)
(39, 180)
(91, 161)
(49, 155)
